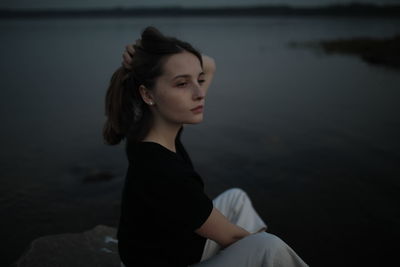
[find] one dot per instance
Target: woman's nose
(199, 92)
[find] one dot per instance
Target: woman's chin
(195, 120)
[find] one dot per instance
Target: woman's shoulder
(147, 150)
(150, 159)
(156, 158)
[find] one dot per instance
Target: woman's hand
(209, 68)
(127, 56)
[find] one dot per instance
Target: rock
(94, 248)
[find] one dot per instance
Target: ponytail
(114, 129)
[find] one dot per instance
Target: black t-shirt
(163, 203)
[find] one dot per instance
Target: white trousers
(255, 250)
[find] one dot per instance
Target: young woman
(166, 218)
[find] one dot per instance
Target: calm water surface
(313, 138)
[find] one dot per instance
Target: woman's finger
(127, 58)
(130, 49)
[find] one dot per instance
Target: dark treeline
(354, 9)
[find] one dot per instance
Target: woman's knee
(237, 192)
(273, 251)
(269, 242)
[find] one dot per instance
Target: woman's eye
(182, 84)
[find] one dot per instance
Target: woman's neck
(164, 134)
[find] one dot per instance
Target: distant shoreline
(375, 51)
(369, 10)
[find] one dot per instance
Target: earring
(151, 103)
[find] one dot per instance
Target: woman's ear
(146, 94)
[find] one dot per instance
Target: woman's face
(179, 90)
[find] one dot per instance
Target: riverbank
(383, 52)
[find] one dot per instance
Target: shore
(383, 52)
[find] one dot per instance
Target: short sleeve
(179, 202)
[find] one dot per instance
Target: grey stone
(97, 247)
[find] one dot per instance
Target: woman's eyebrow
(185, 75)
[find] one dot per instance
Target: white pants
(255, 250)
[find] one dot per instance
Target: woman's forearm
(240, 233)
(209, 68)
(209, 65)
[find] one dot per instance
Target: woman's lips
(197, 109)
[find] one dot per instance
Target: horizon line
(253, 10)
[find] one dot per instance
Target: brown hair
(128, 116)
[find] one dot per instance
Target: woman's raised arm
(209, 68)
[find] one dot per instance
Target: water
(313, 138)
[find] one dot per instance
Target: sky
(157, 3)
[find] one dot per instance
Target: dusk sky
(184, 3)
